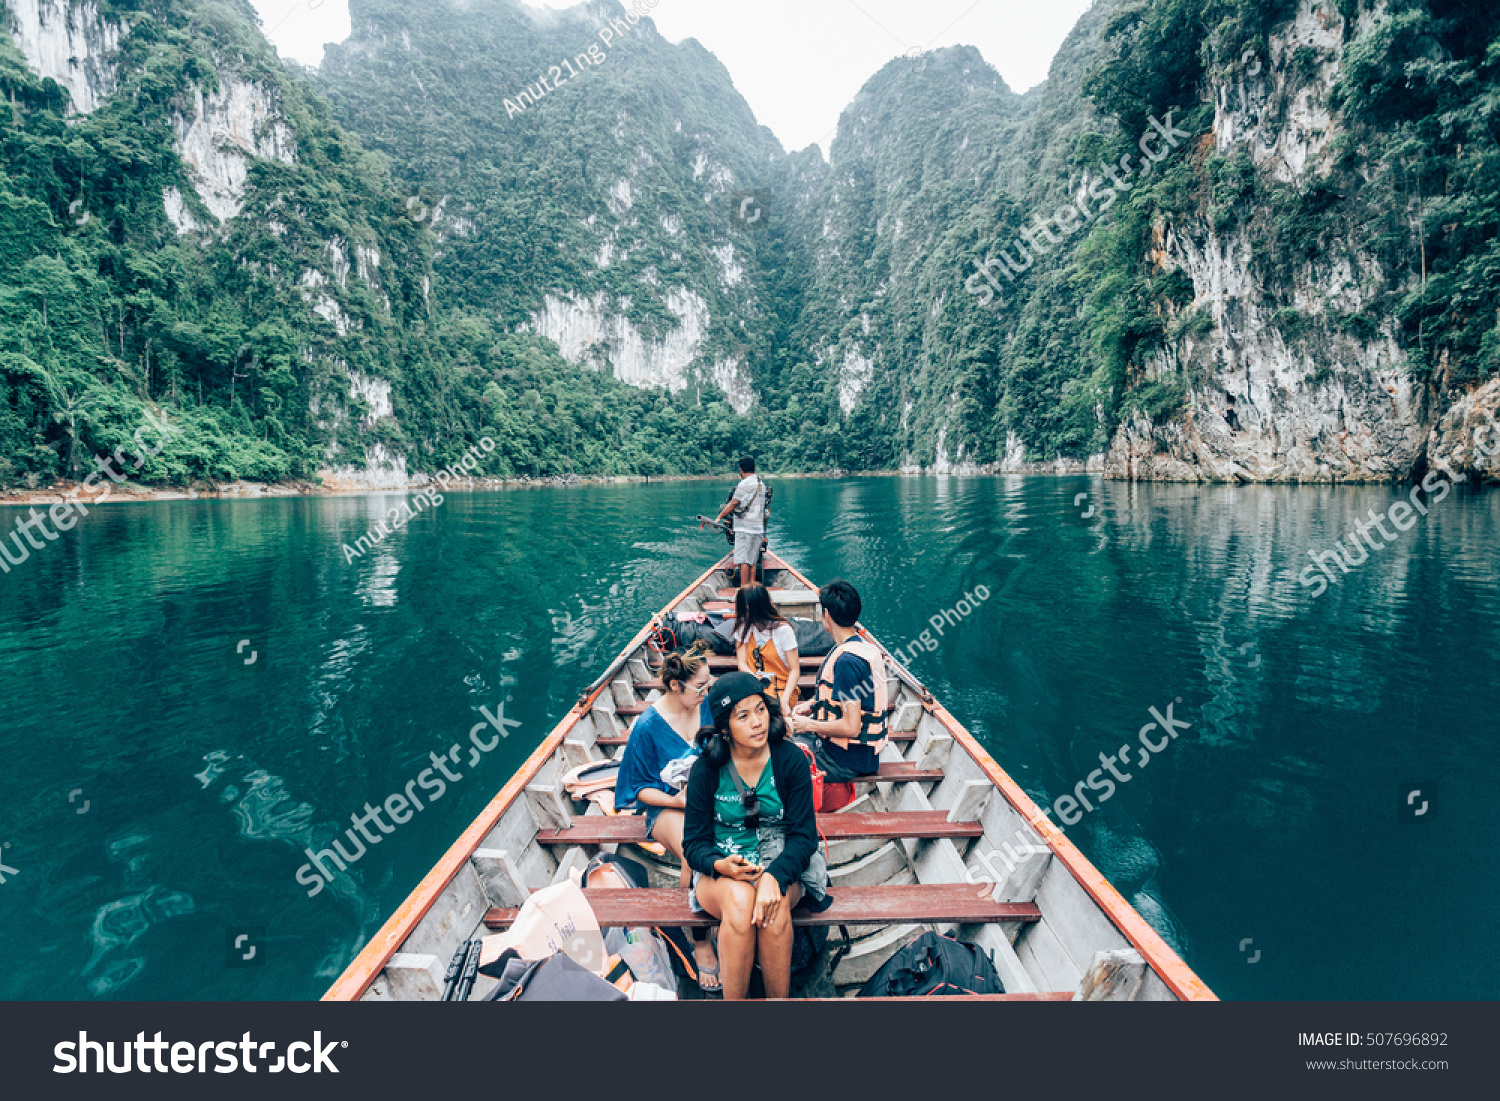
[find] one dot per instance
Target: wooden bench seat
(916, 825)
(911, 903)
(622, 739)
(630, 710)
(807, 682)
(719, 664)
(797, 598)
(732, 571)
(891, 772)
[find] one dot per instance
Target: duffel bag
(689, 633)
(554, 979)
(812, 640)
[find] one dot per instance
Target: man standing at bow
(748, 506)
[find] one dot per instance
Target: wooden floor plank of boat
(892, 825)
(886, 904)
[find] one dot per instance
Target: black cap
(729, 690)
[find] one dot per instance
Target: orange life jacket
(872, 723)
(766, 658)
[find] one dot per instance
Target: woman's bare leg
(669, 826)
(774, 946)
(733, 903)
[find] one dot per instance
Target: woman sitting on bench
(766, 644)
(662, 735)
(750, 833)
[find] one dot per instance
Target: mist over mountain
(1225, 240)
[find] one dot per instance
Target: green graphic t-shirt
(731, 836)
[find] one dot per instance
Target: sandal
(709, 972)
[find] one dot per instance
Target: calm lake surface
(157, 792)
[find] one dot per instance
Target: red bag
(827, 797)
(835, 797)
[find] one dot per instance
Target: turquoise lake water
(157, 791)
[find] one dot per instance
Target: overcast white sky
(797, 62)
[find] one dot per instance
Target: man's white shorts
(747, 546)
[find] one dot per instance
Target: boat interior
(940, 838)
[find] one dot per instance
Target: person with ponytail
(665, 732)
(766, 643)
(751, 834)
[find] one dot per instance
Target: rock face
(591, 332)
(1281, 393)
(68, 41)
(1270, 409)
(382, 470)
(1466, 442)
(218, 132)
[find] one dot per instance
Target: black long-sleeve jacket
(793, 780)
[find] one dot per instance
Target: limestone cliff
(1295, 371)
(600, 219)
(70, 42)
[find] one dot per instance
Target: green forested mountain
(187, 229)
(561, 231)
(110, 305)
(1251, 306)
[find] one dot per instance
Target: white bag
(556, 919)
(676, 771)
(644, 952)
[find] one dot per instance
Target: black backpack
(934, 965)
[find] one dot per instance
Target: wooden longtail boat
(940, 817)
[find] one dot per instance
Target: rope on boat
(613, 667)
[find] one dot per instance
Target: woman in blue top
(662, 734)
